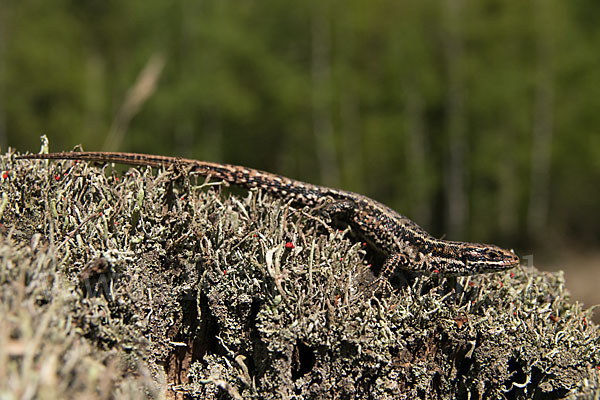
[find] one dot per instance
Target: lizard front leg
(340, 209)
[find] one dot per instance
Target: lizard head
(458, 258)
(480, 258)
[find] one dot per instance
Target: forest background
(480, 120)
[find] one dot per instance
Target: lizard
(404, 244)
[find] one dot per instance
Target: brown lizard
(404, 243)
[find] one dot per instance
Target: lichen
(172, 285)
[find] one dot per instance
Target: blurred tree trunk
(321, 95)
(186, 133)
(541, 148)
(508, 196)
(95, 95)
(418, 173)
(352, 160)
(455, 187)
(353, 150)
(3, 96)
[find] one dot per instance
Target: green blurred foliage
(346, 93)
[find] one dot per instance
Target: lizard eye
(477, 255)
(494, 253)
(472, 255)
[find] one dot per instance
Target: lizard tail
(280, 186)
(120, 158)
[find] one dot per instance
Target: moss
(155, 284)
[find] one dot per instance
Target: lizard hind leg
(392, 262)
